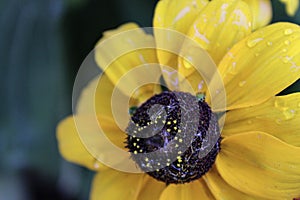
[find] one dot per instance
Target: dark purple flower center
(174, 137)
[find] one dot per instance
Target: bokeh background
(42, 45)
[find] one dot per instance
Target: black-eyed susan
(257, 155)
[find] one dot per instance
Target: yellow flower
(259, 156)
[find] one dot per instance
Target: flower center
(174, 137)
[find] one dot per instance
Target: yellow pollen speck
(159, 117)
(180, 140)
(175, 121)
(137, 139)
(168, 164)
(146, 159)
(134, 144)
(176, 138)
(158, 163)
(148, 165)
(168, 130)
(141, 150)
(175, 128)
(168, 122)
(176, 145)
(179, 131)
(135, 152)
(179, 152)
(179, 161)
(178, 157)
(137, 146)
(178, 165)
(163, 121)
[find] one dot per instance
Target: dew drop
(232, 70)
(269, 43)
(96, 165)
(286, 59)
(288, 31)
(287, 42)
(280, 104)
(284, 50)
(289, 114)
(186, 62)
(252, 42)
(242, 83)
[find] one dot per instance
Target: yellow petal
(96, 97)
(177, 14)
(279, 116)
(261, 65)
(189, 191)
(171, 21)
(71, 147)
(261, 12)
(261, 165)
(80, 141)
(220, 25)
(127, 55)
(222, 190)
(115, 185)
(291, 6)
(151, 189)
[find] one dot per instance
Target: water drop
(289, 114)
(288, 31)
(252, 42)
(287, 42)
(284, 50)
(286, 59)
(96, 165)
(200, 85)
(232, 70)
(187, 62)
(242, 83)
(280, 104)
(269, 43)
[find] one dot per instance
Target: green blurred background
(42, 44)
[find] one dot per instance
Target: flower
(260, 147)
(291, 6)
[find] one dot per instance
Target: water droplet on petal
(286, 59)
(96, 165)
(242, 83)
(287, 42)
(289, 114)
(280, 104)
(288, 31)
(269, 43)
(284, 50)
(252, 42)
